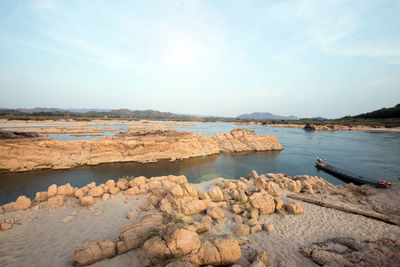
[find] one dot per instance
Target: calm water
(372, 154)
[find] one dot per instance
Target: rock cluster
(139, 146)
(346, 251)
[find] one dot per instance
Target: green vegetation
(153, 232)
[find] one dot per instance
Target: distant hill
(37, 113)
(265, 116)
(383, 113)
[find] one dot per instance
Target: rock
(294, 208)
(278, 204)
(253, 222)
(206, 219)
(254, 214)
(87, 201)
(194, 207)
(96, 191)
(209, 254)
(22, 203)
(181, 241)
(253, 174)
(135, 145)
(216, 194)
(241, 229)
(154, 251)
(268, 227)
(137, 181)
(228, 248)
(5, 226)
(130, 215)
(255, 229)
(65, 190)
(132, 235)
(215, 212)
(238, 219)
(237, 209)
(79, 193)
(259, 255)
(132, 191)
(56, 202)
(67, 219)
(257, 263)
(110, 183)
(90, 252)
(52, 191)
(122, 184)
(41, 197)
(263, 202)
(91, 185)
(105, 196)
(113, 190)
(177, 191)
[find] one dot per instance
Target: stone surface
(215, 194)
(22, 203)
(295, 208)
(194, 206)
(96, 192)
(241, 229)
(87, 201)
(220, 250)
(215, 212)
(140, 146)
(263, 202)
(56, 202)
(92, 251)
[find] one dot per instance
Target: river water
(371, 154)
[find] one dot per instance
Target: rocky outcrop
(346, 251)
(140, 146)
(92, 251)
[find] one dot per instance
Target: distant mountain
(383, 113)
(265, 116)
(313, 119)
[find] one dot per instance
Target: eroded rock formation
(138, 146)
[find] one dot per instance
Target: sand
(43, 239)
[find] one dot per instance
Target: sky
(223, 58)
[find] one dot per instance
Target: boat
(350, 177)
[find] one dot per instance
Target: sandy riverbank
(47, 236)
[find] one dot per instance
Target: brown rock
(238, 219)
(237, 209)
(137, 181)
(52, 191)
(268, 227)
(90, 252)
(91, 185)
(215, 212)
(216, 194)
(255, 229)
(122, 184)
(259, 255)
(263, 202)
(194, 207)
(105, 196)
(206, 219)
(87, 201)
(56, 202)
(278, 203)
(294, 208)
(79, 193)
(110, 183)
(65, 190)
(113, 190)
(209, 254)
(241, 229)
(5, 226)
(41, 197)
(133, 191)
(22, 203)
(96, 191)
(228, 248)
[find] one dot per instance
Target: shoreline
(55, 228)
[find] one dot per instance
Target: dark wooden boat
(350, 177)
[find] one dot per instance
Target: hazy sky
(303, 58)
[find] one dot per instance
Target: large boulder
(216, 194)
(96, 191)
(263, 202)
(221, 250)
(92, 251)
(215, 212)
(194, 206)
(131, 236)
(22, 203)
(52, 191)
